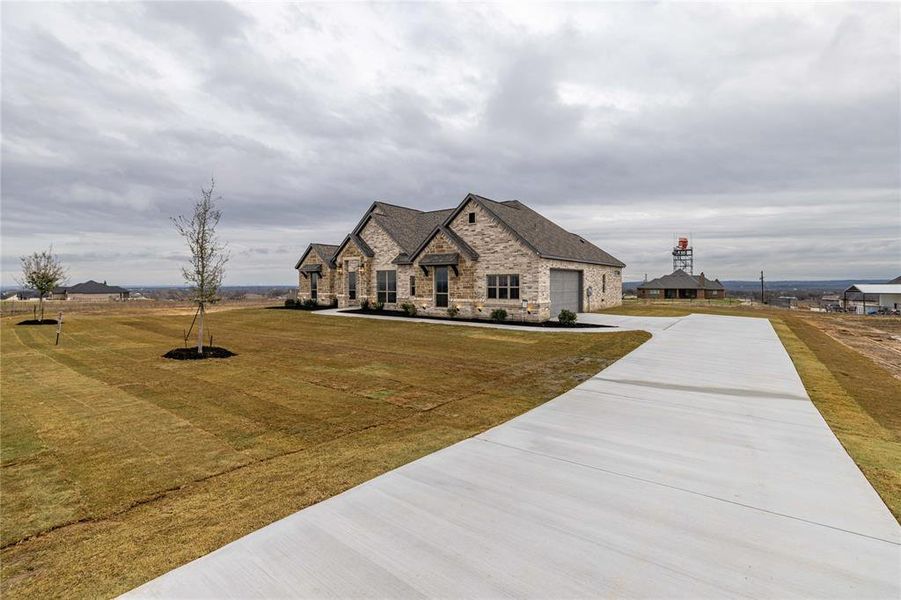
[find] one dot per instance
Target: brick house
(476, 257)
(679, 285)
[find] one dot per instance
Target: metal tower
(683, 256)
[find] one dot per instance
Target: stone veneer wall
(386, 250)
(326, 290)
(351, 260)
(500, 253)
(605, 294)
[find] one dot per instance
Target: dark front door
(441, 289)
(352, 285)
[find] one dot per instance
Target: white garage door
(565, 288)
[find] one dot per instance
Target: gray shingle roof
(546, 237)
(326, 253)
(440, 260)
(412, 229)
(408, 226)
(93, 287)
(680, 280)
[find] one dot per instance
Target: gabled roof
(92, 287)
(875, 288)
(895, 280)
(680, 280)
(455, 239)
(538, 233)
(407, 226)
(358, 241)
(326, 253)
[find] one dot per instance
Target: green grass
(117, 465)
(857, 398)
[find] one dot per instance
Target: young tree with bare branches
(42, 271)
(208, 254)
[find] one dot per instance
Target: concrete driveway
(694, 467)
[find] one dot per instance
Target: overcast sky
(768, 132)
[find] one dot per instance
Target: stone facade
(351, 260)
(602, 285)
(386, 250)
(326, 282)
(500, 252)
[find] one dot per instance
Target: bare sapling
(42, 271)
(208, 255)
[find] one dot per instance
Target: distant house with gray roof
(478, 256)
(91, 291)
(679, 285)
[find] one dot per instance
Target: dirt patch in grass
(193, 354)
(118, 466)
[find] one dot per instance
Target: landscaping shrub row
(308, 304)
(498, 316)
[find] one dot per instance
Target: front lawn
(119, 465)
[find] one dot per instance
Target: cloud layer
(770, 133)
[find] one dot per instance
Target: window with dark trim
(314, 285)
(386, 291)
(503, 287)
(352, 285)
(442, 295)
(604, 283)
(472, 217)
(412, 285)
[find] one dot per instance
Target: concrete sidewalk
(694, 467)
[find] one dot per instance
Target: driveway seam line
(680, 489)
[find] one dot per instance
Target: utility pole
(762, 298)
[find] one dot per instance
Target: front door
(441, 290)
(352, 286)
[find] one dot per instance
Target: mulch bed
(38, 322)
(401, 315)
(300, 308)
(191, 353)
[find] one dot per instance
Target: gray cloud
(770, 133)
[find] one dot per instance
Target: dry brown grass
(118, 465)
(859, 400)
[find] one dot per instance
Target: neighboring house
(476, 257)
(317, 273)
(679, 285)
(22, 296)
(90, 291)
